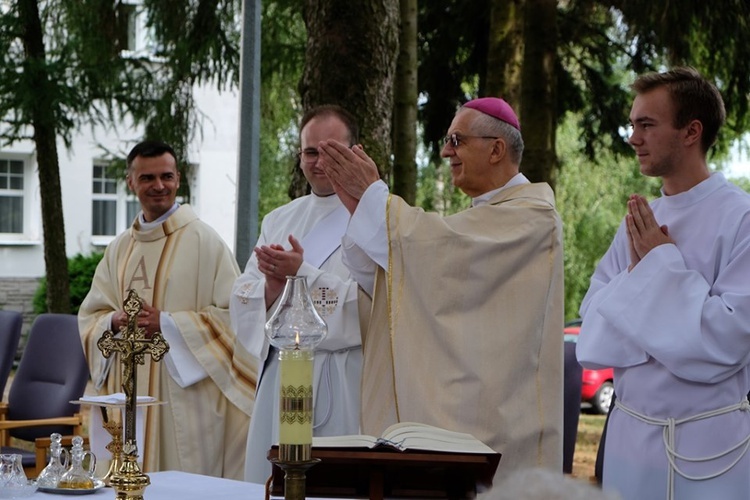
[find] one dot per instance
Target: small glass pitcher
(58, 463)
(11, 471)
(77, 477)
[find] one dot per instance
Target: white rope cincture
(326, 370)
(326, 373)
(668, 436)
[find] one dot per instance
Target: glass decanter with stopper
(58, 463)
(77, 477)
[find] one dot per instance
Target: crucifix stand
(129, 482)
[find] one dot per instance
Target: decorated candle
(296, 406)
(295, 329)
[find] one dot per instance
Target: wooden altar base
(387, 473)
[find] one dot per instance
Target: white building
(97, 207)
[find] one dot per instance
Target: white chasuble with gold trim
(181, 267)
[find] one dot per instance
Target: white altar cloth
(173, 485)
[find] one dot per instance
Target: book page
(413, 435)
(350, 441)
(410, 435)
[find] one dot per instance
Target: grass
(587, 442)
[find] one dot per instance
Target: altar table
(173, 485)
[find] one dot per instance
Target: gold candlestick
(114, 428)
(294, 476)
(129, 482)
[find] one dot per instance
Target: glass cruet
(11, 471)
(58, 463)
(77, 477)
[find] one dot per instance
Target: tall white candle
(296, 412)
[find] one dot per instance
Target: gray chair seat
(52, 372)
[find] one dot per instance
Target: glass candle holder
(295, 329)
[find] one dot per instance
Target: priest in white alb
(303, 238)
(183, 271)
(466, 326)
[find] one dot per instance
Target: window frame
(122, 196)
(30, 213)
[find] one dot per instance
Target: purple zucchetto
(496, 107)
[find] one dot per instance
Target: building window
(127, 27)
(11, 195)
(113, 206)
(134, 37)
(104, 209)
(133, 207)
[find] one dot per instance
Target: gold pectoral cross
(132, 346)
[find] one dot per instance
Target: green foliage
(742, 182)
(195, 43)
(81, 270)
(450, 61)
(591, 199)
(435, 190)
(284, 37)
(283, 40)
(84, 78)
(602, 44)
(427, 189)
(199, 39)
(710, 36)
(594, 61)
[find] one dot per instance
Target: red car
(598, 386)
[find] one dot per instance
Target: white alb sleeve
(182, 365)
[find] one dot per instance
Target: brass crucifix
(132, 346)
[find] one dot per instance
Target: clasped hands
(644, 233)
(350, 170)
(149, 319)
(276, 264)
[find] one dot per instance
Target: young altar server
(669, 308)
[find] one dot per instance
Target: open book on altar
(409, 436)
(409, 460)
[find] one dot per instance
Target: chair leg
(31, 472)
(41, 459)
